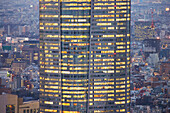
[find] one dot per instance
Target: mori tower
(84, 56)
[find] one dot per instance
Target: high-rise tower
(84, 56)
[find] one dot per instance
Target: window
(10, 108)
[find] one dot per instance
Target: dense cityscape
(21, 67)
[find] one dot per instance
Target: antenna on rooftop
(152, 24)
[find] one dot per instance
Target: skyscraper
(84, 56)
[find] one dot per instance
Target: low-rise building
(12, 104)
(29, 107)
(9, 103)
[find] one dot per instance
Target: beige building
(9, 103)
(29, 107)
(12, 104)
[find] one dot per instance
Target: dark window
(34, 110)
(10, 108)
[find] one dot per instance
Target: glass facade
(84, 56)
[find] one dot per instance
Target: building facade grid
(84, 56)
